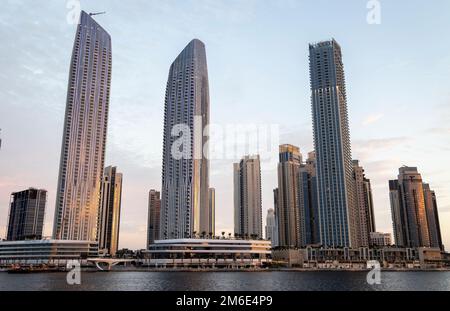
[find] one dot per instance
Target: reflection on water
(224, 281)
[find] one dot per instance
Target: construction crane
(97, 13)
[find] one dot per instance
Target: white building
(208, 253)
(50, 252)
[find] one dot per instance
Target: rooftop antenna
(96, 13)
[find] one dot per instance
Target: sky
(397, 74)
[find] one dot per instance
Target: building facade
(287, 197)
(48, 252)
(247, 197)
(332, 145)
(271, 227)
(409, 214)
(185, 167)
(26, 214)
(154, 216)
(365, 220)
(308, 201)
(212, 211)
(434, 228)
(84, 135)
(212, 253)
(380, 239)
(109, 215)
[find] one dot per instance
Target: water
(226, 281)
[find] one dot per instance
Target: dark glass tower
(185, 179)
(26, 214)
(84, 138)
(332, 145)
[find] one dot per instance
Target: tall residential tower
(185, 167)
(84, 137)
(286, 198)
(247, 197)
(332, 145)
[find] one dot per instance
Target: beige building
(287, 204)
(109, 215)
(247, 197)
(364, 219)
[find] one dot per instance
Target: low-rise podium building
(226, 253)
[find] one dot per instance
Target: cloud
(371, 119)
(365, 149)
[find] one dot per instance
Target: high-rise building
(26, 214)
(154, 216)
(185, 167)
(309, 208)
(84, 137)
(332, 145)
(409, 214)
(212, 211)
(247, 197)
(364, 206)
(434, 228)
(287, 197)
(271, 227)
(109, 213)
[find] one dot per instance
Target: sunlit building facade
(409, 214)
(287, 197)
(84, 135)
(109, 215)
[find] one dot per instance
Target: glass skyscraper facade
(332, 145)
(185, 179)
(26, 214)
(84, 135)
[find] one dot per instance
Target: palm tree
(223, 234)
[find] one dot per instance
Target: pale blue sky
(397, 79)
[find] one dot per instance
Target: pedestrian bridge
(105, 264)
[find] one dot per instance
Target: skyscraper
(109, 213)
(84, 137)
(434, 228)
(409, 215)
(271, 227)
(185, 169)
(154, 216)
(332, 145)
(247, 197)
(309, 209)
(212, 211)
(26, 214)
(364, 206)
(287, 197)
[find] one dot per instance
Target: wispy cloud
(371, 119)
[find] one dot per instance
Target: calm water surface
(225, 281)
